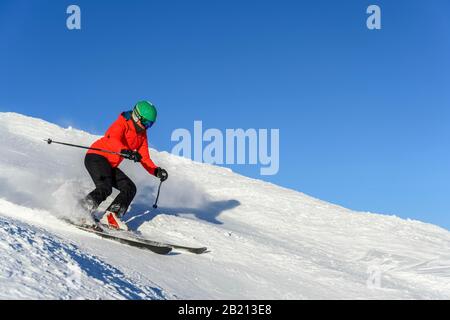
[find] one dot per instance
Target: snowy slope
(266, 242)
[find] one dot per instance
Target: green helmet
(145, 112)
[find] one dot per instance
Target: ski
(196, 250)
(135, 240)
(155, 247)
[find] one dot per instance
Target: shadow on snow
(209, 212)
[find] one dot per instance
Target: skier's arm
(147, 163)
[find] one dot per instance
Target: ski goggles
(145, 123)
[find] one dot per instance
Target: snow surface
(265, 242)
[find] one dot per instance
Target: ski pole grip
(49, 141)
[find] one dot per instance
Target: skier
(128, 136)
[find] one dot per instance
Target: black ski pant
(105, 178)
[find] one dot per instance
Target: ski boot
(112, 217)
(89, 206)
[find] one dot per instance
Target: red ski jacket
(122, 135)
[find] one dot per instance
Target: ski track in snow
(265, 242)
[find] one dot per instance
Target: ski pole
(50, 141)
(157, 196)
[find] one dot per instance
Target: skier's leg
(101, 173)
(120, 204)
(127, 190)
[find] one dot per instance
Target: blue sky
(363, 115)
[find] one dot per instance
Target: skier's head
(144, 114)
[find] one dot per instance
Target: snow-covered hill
(266, 242)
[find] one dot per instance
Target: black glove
(161, 174)
(131, 155)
